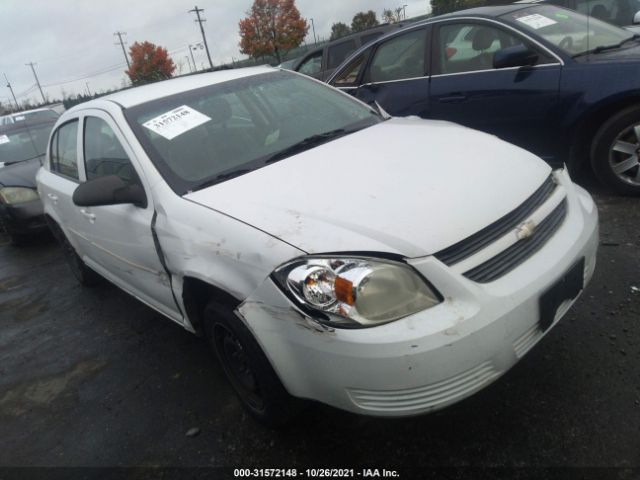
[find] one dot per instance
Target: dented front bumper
(436, 357)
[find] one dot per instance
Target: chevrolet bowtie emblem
(526, 230)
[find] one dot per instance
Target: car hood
(626, 54)
(21, 174)
(406, 186)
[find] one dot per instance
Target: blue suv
(551, 80)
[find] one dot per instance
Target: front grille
(517, 253)
(476, 242)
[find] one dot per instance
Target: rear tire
(248, 369)
(615, 152)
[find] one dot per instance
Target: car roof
(490, 11)
(146, 93)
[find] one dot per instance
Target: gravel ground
(93, 378)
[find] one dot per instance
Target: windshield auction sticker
(4, 139)
(176, 122)
(537, 21)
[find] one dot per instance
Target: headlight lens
(356, 291)
(13, 195)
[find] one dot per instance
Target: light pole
(313, 26)
(404, 12)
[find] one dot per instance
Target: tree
(392, 16)
(272, 27)
(439, 7)
(149, 63)
(339, 29)
(363, 20)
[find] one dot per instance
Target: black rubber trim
(476, 242)
(517, 253)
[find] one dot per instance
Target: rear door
(119, 241)
(518, 104)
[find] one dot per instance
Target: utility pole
(88, 91)
(191, 49)
(404, 12)
(31, 64)
(313, 26)
(12, 94)
(204, 38)
(121, 43)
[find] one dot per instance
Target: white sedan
(385, 266)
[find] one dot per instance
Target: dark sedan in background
(548, 79)
(22, 147)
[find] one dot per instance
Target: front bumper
(433, 358)
(22, 218)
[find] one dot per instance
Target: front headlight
(356, 291)
(13, 195)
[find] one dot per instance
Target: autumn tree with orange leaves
(149, 63)
(272, 27)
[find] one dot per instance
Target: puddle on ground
(25, 396)
(11, 283)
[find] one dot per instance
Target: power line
(204, 38)
(31, 64)
(119, 35)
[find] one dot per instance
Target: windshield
(21, 144)
(572, 32)
(205, 136)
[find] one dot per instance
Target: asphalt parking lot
(91, 377)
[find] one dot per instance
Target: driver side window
(103, 153)
(312, 65)
(470, 47)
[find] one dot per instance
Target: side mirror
(636, 18)
(109, 190)
(518, 56)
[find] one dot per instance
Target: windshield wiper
(307, 143)
(604, 48)
(219, 178)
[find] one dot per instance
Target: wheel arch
(592, 122)
(197, 294)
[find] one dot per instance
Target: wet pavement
(91, 377)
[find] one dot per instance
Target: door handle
(88, 214)
(453, 99)
(52, 197)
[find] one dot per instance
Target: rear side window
(339, 52)
(64, 154)
(103, 153)
(312, 65)
(401, 57)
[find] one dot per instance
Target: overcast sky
(72, 41)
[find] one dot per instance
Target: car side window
(401, 57)
(470, 47)
(349, 75)
(312, 65)
(103, 153)
(64, 154)
(337, 53)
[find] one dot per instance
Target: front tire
(248, 369)
(615, 152)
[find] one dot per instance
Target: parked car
(35, 115)
(321, 62)
(529, 74)
(324, 251)
(22, 147)
(624, 13)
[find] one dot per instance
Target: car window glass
(64, 155)
(619, 12)
(311, 65)
(401, 57)
(471, 47)
(339, 52)
(103, 153)
(350, 74)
